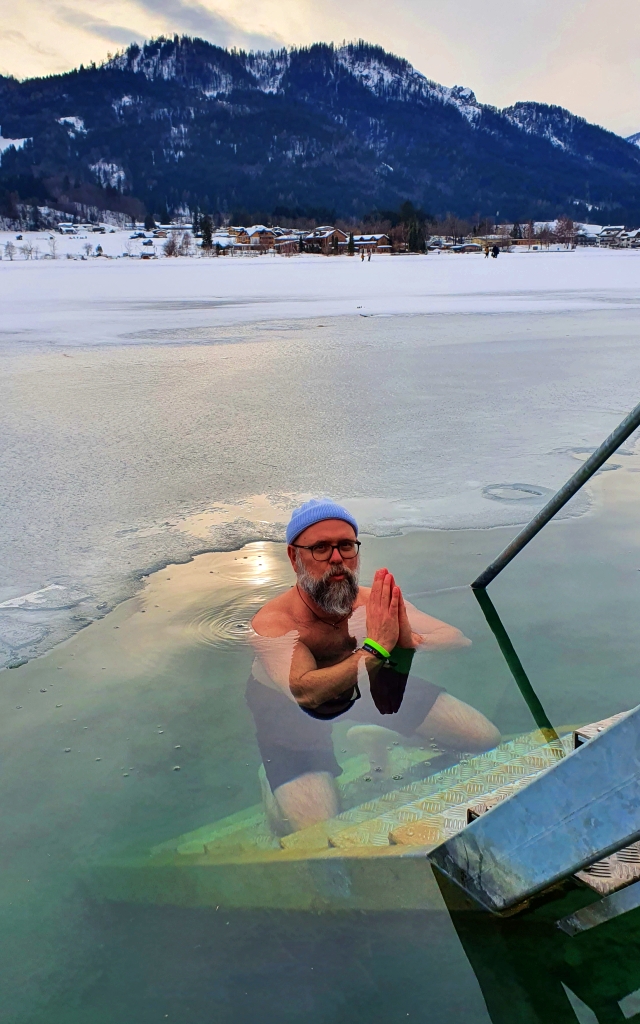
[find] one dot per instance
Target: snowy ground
(144, 404)
(124, 300)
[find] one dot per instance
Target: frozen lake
(151, 411)
(142, 414)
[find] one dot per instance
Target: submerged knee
(482, 736)
(456, 724)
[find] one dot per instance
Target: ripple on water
(222, 627)
(226, 624)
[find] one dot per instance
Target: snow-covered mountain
(341, 130)
(634, 139)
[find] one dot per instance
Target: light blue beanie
(315, 511)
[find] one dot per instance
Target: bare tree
(171, 247)
(186, 245)
(53, 247)
(10, 250)
(485, 227)
(27, 250)
(546, 235)
(455, 228)
(87, 249)
(128, 247)
(566, 231)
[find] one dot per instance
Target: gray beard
(333, 598)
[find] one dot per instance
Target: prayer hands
(406, 636)
(383, 623)
(387, 618)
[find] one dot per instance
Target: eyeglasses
(322, 551)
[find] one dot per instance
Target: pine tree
(206, 228)
(149, 222)
(351, 245)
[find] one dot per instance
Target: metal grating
(587, 732)
(614, 872)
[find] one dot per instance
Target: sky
(580, 54)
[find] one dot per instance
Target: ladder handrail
(561, 497)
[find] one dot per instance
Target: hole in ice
(517, 492)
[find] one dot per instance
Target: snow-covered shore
(124, 300)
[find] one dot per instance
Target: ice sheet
(120, 457)
(126, 300)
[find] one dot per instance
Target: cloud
(98, 26)
(13, 36)
(196, 19)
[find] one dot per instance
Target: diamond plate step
(317, 836)
(513, 759)
(446, 809)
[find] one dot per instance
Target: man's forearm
(320, 684)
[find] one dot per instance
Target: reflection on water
(144, 870)
(218, 610)
(544, 976)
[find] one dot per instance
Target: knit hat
(315, 511)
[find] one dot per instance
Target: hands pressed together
(387, 619)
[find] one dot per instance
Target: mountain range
(322, 131)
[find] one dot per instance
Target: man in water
(323, 651)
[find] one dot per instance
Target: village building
(611, 236)
(325, 239)
(631, 239)
(287, 241)
(256, 237)
(372, 243)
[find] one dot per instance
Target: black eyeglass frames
(322, 551)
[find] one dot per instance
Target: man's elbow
(449, 636)
(303, 695)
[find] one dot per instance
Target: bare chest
(328, 645)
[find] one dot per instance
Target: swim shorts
(292, 743)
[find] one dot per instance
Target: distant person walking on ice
(495, 252)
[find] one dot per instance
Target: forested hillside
(322, 131)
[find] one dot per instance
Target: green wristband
(400, 659)
(375, 648)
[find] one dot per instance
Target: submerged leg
(372, 740)
(455, 724)
(307, 800)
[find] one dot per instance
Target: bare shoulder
(275, 618)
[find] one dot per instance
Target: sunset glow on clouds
(581, 54)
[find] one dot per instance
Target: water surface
(93, 733)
